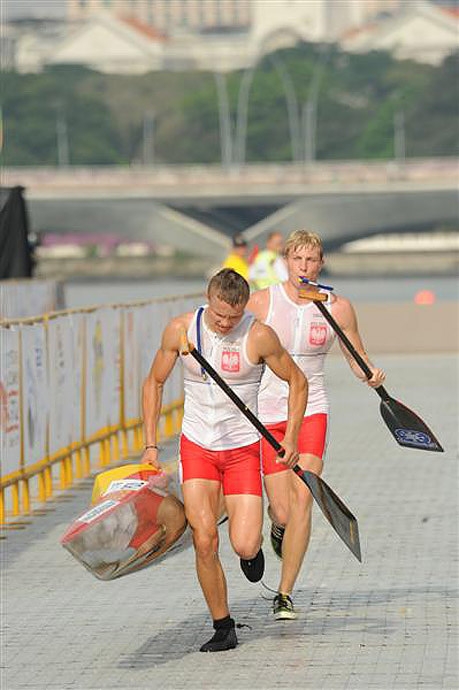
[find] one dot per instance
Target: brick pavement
(388, 623)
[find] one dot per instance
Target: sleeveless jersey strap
(198, 337)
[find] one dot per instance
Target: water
(380, 289)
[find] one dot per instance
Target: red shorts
(311, 439)
(238, 469)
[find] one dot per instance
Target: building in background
(107, 43)
(138, 36)
(320, 19)
(168, 15)
(422, 32)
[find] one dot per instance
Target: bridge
(197, 207)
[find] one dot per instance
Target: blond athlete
(307, 336)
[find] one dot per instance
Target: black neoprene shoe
(222, 640)
(253, 569)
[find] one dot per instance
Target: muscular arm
(152, 390)
(345, 316)
(268, 348)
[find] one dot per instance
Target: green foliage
(356, 98)
(32, 106)
(432, 126)
(377, 138)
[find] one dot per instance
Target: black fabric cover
(15, 254)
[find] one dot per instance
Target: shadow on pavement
(328, 615)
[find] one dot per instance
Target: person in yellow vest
(236, 259)
(269, 266)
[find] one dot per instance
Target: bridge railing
(70, 395)
(41, 180)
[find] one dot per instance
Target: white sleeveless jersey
(307, 336)
(210, 418)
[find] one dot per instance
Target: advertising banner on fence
(150, 327)
(173, 388)
(102, 369)
(24, 298)
(35, 395)
(41, 297)
(113, 317)
(60, 345)
(152, 319)
(10, 432)
(77, 322)
(96, 367)
(132, 377)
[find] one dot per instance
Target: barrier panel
(29, 297)
(70, 395)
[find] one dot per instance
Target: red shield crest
(231, 361)
(317, 334)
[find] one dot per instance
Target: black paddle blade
(337, 514)
(407, 428)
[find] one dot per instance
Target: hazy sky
(14, 9)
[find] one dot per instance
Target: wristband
(151, 445)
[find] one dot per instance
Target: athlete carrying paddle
(219, 448)
(307, 336)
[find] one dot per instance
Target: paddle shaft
(381, 391)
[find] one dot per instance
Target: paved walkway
(390, 622)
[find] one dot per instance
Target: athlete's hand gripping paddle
(406, 427)
(338, 515)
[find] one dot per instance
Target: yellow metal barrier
(36, 483)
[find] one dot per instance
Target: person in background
(269, 267)
(307, 336)
(219, 447)
(237, 258)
